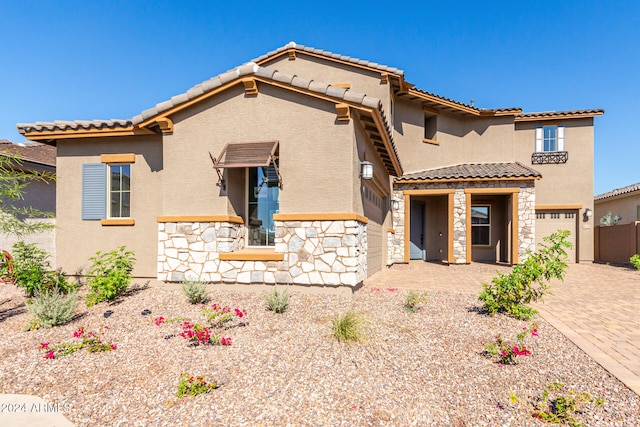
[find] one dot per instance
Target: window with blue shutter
(94, 191)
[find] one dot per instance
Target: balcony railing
(549, 157)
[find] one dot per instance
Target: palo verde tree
(13, 180)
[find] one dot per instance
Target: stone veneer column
(460, 226)
(526, 221)
(399, 228)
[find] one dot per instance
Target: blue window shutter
(94, 191)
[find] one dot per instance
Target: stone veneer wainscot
(330, 252)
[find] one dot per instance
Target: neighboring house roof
(555, 115)
(32, 152)
(475, 171)
(380, 133)
(618, 191)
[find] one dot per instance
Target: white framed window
(263, 201)
(549, 139)
(481, 225)
(119, 190)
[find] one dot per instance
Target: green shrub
(30, 269)
(557, 408)
(195, 291)
(349, 326)
(194, 385)
(528, 282)
(278, 301)
(111, 275)
(414, 301)
(635, 261)
(51, 309)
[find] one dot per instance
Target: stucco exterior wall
(316, 154)
(462, 140)
(625, 206)
(77, 240)
(567, 184)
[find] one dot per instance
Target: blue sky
(79, 60)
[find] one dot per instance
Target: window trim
(109, 192)
(488, 206)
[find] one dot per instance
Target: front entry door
(416, 234)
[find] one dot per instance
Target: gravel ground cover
(425, 368)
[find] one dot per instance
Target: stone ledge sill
(113, 221)
(252, 255)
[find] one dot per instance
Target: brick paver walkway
(597, 307)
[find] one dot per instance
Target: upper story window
(549, 145)
(430, 128)
(549, 138)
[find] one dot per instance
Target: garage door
(373, 210)
(550, 221)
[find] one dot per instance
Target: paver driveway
(597, 306)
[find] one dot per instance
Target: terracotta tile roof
(73, 125)
(618, 191)
(244, 70)
(473, 171)
(330, 55)
(561, 114)
(33, 152)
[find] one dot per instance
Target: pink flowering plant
(202, 334)
(92, 341)
(194, 385)
(507, 351)
(218, 315)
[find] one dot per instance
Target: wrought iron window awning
(246, 155)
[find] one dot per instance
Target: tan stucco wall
(316, 153)
(625, 206)
(322, 70)
(462, 140)
(77, 240)
(570, 183)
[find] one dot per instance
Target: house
(623, 202)
(309, 167)
(617, 244)
(40, 195)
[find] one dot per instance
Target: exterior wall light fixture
(366, 170)
(395, 205)
(588, 212)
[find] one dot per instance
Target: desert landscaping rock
(418, 369)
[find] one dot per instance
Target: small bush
(414, 300)
(278, 301)
(510, 292)
(195, 291)
(111, 273)
(349, 326)
(635, 261)
(51, 309)
(194, 385)
(557, 408)
(30, 269)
